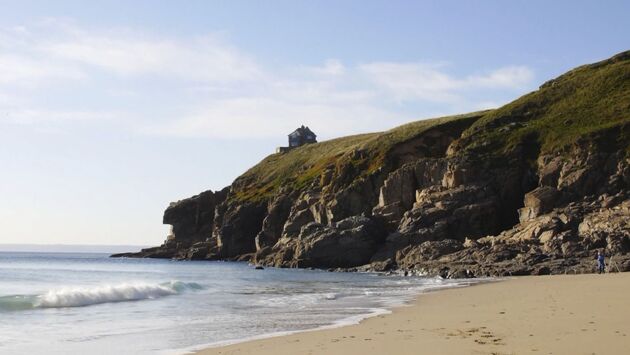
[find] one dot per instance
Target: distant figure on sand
(601, 264)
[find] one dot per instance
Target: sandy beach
(582, 314)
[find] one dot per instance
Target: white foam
(351, 320)
(331, 296)
(299, 300)
(402, 300)
(85, 296)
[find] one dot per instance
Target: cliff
(533, 187)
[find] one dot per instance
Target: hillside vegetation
(533, 187)
(366, 152)
(588, 103)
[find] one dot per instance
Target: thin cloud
(37, 117)
(203, 86)
(429, 82)
(268, 117)
(511, 77)
(408, 81)
(22, 71)
(198, 59)
(330, 67)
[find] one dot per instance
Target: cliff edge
(533, 187)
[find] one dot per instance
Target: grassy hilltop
(532, 187)
(365, 152)
(588, 103)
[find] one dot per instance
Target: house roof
(302, 131)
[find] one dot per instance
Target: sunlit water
(71, 303)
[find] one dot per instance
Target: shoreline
(341, 323)
(528, 314)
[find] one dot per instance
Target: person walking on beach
(601, 264)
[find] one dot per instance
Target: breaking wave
(87, 296)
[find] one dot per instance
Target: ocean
(88, 303)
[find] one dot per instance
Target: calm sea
(82, 303)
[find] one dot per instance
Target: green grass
(589, 103)
(358, 155)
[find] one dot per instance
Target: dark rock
(386, 265)
(460, 274)
(543, 270)
(273, 224)
(452, 200)
(296, 221)
(429, 250)
(199, 251)
(351, 242)
(240, 225)
(192, 219)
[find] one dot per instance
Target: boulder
(350, 242)
(429, 250)
(537, 202)
(199, 251)
(607, 228)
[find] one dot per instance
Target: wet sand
(580, 314)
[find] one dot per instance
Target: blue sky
(112, 110)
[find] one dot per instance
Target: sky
(109, 110)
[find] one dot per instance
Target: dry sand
(583, 314)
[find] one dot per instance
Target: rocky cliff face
(534, 187)
(192, 223)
